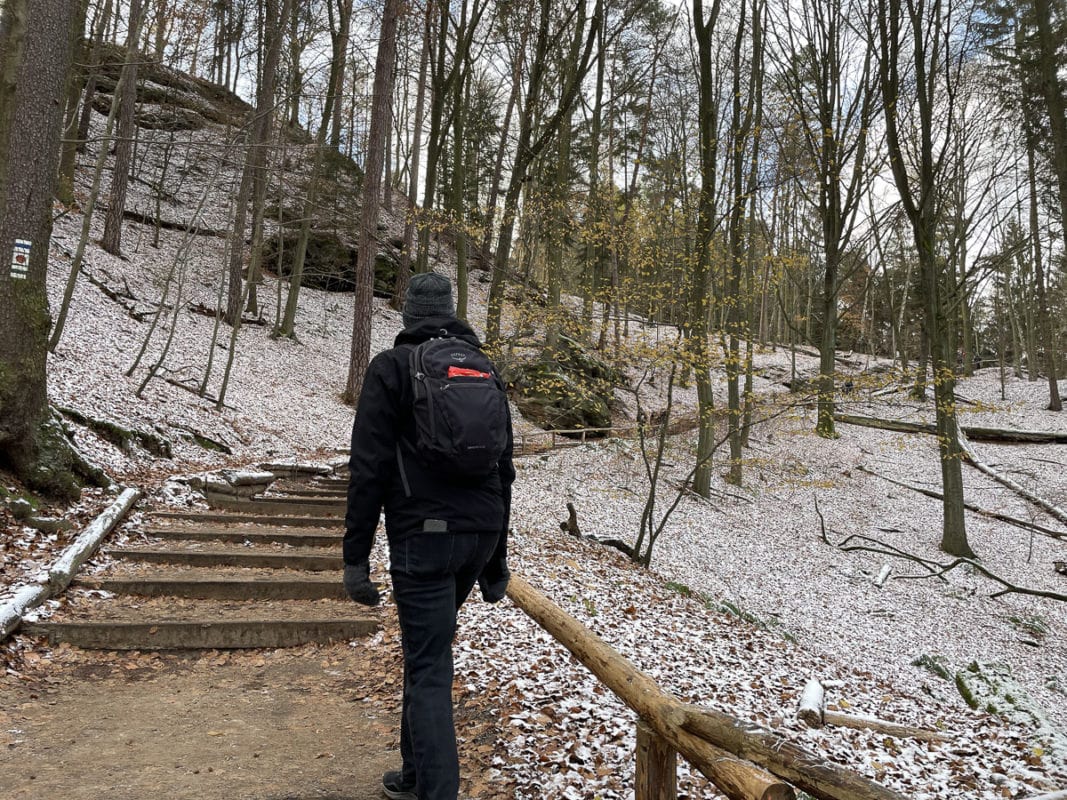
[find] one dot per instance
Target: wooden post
(657, 769)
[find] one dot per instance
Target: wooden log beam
(803, 769)
(737, 779)
(976, 432)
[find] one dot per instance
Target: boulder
(329, 263)
(569, 388)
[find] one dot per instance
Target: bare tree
(126, 96)
(828, 73)
(529, 145)
(704, 24)
(253, 174)
(917, 39)
(380, 118)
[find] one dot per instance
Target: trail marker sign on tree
(20, 259)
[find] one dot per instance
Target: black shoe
(393, 787)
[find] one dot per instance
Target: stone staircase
(261, 568)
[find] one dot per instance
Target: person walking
(447, 508)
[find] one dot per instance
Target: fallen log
(812, 712)
(26, 598)
(59, 576)
(1019, 523)
(722, 747)
(1022, 491)
(883, 576)
(184, 227)
(976, 432)
(812, 705)
(862, 722)
(61, 573)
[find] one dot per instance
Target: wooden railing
(744, 760)
(541, 441)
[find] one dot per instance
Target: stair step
(316, 520)
(202, 634)
(264, 535)
(312, 562)
(282, 507)
(261, 587)
(314, 493)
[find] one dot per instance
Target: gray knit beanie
(428, 295)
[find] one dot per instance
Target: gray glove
(358, 584)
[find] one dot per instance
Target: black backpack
(460, 408)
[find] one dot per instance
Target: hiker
(446, 520)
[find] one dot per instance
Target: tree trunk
(90, 91)
(404, 273)
(126, 96)
(252, 176)
(1044, 319)
(35, 58)
(380, 119)
(1054, 102)
(746, 121)
(337, 73)
(591, 256)
(79, 78)
(919, 30)
(439, 88)
(700, 281)
(459, 179)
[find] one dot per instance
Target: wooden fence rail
(745, 761)
(540, 441)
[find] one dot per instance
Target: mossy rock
(991, 687)
(558, 394)
(329, 263)
(934, 664)
(157, 83)
(165, 118)
(57, 468)
(580, 359)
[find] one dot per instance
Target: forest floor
(744, 602)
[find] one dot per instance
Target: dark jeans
(432, 575)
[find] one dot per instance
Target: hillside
(745, 600)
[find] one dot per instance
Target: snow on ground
(808, 607)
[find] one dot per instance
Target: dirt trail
(309, 722)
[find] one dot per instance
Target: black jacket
(383, 421)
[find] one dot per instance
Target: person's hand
(358, 584)
(493, 590)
